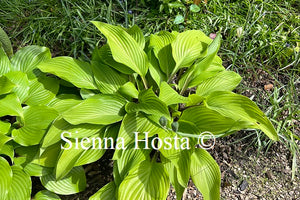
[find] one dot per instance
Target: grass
(260, 42)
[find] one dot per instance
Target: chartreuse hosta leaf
(36, 121)
(20, 186)
(129, 90)
(4, 127)
(37, 170)
(6, 178)
(69, 156)
(148, 103)
(60, 126)
(10, 105)
(99, 109)
(200, 66)
(4, 139)
(169, 96)
(5, 42)
(206, 119)
(222, 81)
(161, 44)
(129, 158)
(173, 175)
(46, 195)
(73, 183)
(77, 72)
(107, 79)
(214, 68)
(136, 33)
(104, 55)
(22, 84)
(125, 49)
(5, 65)
(148, 180)
(27, 59)
(8, 150)
(187, 47)
(42, 90)
(6, 85)
(107, 192)
(136, 123)
(155, 70)
(206, 174)
(48, 157)
(241, 108)
(178, 153)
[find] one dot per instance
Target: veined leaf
(77, 72)
(107, 192)
(107, 79)
(85, 93)
(4, 127)
(64, 102)
(154, 69)
(36, 121)
(5, 65)
(202, 66)
(99, 109)
(5, 42)
(136, 33)
(67, 160)
(46, 195)
(60, 126)
(33, 169)
(27, 58)
(8, 150)
(42, 90)
(73, 183)
(124, 48)
(136, 123)
(161, 44)
(210, 71)
(187, 47)
(4, 139)
(10, 105)
(206, 174)
(6, 178)
(47, 157)
(20, 186)
(104, 55)
(148, 103)
(148, 180)
(6, 85)
(241, 108)
(206, 119)
(129, 90)
(169, 96)
(129, 158)
(172, 171)
(22, 84)
(223, 81)
(179, 153)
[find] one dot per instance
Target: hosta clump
(150, 98)
(168, 85)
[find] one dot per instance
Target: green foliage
(134, 88)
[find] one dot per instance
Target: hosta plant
(149, 99)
